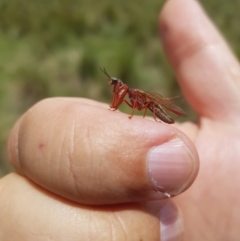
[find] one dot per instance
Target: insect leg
(153, 109)
(133, 107)
(159, 112)
(146, 106)
(154, 115)
(145, 112)
(129, 104)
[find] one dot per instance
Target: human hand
(209, 76)
(73, 154)
(80, 155)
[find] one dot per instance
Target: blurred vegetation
(56, 47)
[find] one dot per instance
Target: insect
(142, 100)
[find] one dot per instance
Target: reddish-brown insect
(142, 100)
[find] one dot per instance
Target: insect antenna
(105, 72)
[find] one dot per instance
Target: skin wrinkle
(99, 177)
(21, 143)
(65, 143)
(92, 226)
(16, 142)
(72, 137)
(70, 158)
(61, 154)
(17, 147)
(112, 237)
(15, 159)
(54, 156)
(122, 226)
(47, 237)
(43, 153)
(101, 146)
(74, 178)
(88, 147)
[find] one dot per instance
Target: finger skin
(29, 212)
(89, 154)
(209, 77)
(207, 70)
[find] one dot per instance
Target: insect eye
(114, 80)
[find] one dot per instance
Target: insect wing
(167, 103)
(159, 112)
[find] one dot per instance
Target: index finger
(205, 66)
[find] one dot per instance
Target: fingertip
(183, 31)
(205, 67)
(171, 223)
(14, 135)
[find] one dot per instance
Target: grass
(55, 48)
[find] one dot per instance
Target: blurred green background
(56, 47)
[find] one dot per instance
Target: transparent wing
(162, 102)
